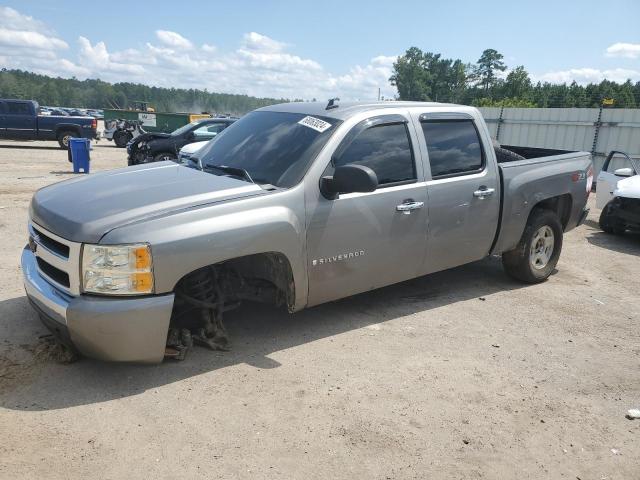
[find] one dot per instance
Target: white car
(186, 153)
(618, 194)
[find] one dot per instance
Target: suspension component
(200, 302)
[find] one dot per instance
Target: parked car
(618, 194)
(295, 205)
(98, 114)
(187, 154)
(157, 147)
(19, 120)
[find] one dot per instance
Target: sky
(323, 49)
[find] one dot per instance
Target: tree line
(427, 76)
(91, 93)
(417, 75)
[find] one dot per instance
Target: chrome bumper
(112, 329)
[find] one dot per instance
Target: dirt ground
(463, 374)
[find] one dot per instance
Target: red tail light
(94, 123)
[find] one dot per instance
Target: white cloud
(97, 58)
(626, 50)
(14, 20)
(22, 31)
(588, 75)
(173, 39)
(259, 65)
(255, 41)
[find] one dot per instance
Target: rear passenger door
(463, 191)
(20, 122)
(3, 119)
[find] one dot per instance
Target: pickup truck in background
(19, 120)
(294, 205)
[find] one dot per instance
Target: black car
(157, 147)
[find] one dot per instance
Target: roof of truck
(348, 109)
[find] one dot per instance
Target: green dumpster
(154, 121)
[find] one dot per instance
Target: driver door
(361, 241)
(608, 180)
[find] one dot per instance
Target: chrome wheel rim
(541, 247)
(65, 140)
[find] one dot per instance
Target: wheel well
(560, 205)
(263, 277)
(70, 129)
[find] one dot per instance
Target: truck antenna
(332, 103)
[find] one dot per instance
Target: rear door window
(385, 149)
(18, 108)
(453, 146)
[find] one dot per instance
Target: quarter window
(453, 146)
(385, 149)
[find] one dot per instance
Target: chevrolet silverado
(294, 205)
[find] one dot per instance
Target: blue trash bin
(79, 148)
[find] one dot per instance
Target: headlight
(117, 269)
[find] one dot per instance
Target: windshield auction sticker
(315, 123)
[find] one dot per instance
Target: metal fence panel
(568, 129)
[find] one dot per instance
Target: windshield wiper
(235, 171)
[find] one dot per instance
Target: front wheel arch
(273, 267)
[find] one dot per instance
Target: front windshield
(272, 147)
(184, 129)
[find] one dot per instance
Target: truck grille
(53, 273)
(58, 259)
(51, 244)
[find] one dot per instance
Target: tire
(164, 156)
(608, 223)
(538, 251)
(503, 155)
(121, 138)
(63, 138)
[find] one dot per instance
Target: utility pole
(378, 93)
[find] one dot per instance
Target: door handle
(407, 207)
(484, 192)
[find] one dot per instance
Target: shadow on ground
(628, 243)
(22, 146)
(255, 332)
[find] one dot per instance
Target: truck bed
(543, 174)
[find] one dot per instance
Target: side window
(454, 147)
(618, 161)
(209, 131)
(385, 149)
(16, 108)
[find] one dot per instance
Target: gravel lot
(463, 374)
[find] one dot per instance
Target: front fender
(185, 241)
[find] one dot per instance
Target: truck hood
(85, 209)
(628, 188)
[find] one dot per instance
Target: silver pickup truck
(294, 205)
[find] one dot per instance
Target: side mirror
(624, 172)
(348, 179)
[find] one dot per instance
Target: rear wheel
(538, 251)
(63, 138)
(608, 223)
(162, 157)
(121, 138)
